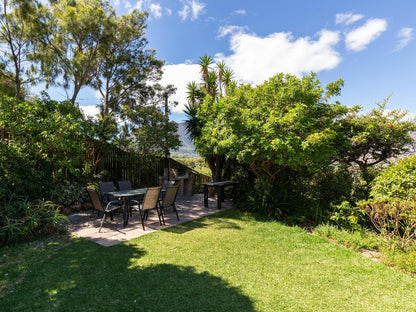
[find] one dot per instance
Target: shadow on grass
(87, 277)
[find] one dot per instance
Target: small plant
(393, 218)
(348, 216)
(357, 239)
(29, 219)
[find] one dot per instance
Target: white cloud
(239, 12)
(191, 8)
(255, 59)
(359, 38)
(405, 35)
(90, 110)
(116, 2)
(139, 5)
(197, 8)
(230, 30)
(347, 18)
(180, 75)
(156, 10)
(184, 12)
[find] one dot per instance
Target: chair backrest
(170, 196)
(151, 198)
(95, 199)
(124, 185)
(104, 188)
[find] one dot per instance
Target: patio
(113, 232)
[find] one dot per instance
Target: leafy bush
(69, 193)
(21, 220)
(392, 206)
(392, 218)
(43, 150)
(197, 163)
(19, 177)
(397, 181)
(348, 216)
(46, 136)
(299, 196)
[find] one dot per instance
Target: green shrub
(392, 206)
(397, 181)
(69, 193)
(392, 218)
(298, 196)
(23, 219)
(19, 175)
(348, 216)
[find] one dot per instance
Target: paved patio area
(86, 224)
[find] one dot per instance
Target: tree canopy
(281, 123)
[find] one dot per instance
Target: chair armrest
(135, 202)
(112, 205)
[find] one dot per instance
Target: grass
(230, 261)
(392, 251)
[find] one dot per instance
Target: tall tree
(221, 68)
(205, 62)
(67, 47)
(147, 130)
(197, 94)
(17, 19)
(126, 69)
(374, 138)
(227, 78)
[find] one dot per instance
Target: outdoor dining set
(108, 200)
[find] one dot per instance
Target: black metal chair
(124, 185)
(98, 205)
(150, 202)
(106, 187)
(169, 201)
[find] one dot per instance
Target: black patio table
(125, 197)
(219, 187)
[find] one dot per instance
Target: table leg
(125, 209)
(219, 196)
(234, 193)
(206, 195)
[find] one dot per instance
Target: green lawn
(230, 261)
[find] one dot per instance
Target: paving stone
(85, 224)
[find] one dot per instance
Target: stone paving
(86, 224)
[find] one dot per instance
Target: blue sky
(370, 44)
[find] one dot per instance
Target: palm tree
(194, 93)
(205, 61)
(212, 84)
(221, 67)
(227, 77)
(192, 123)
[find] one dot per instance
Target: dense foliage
(44, 149)
(374, 138)
(197, 163)
(300, 151)
(392, 203)
(48, 150)
(45, 146)
(397, 181)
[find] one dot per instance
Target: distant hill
(187, 150)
